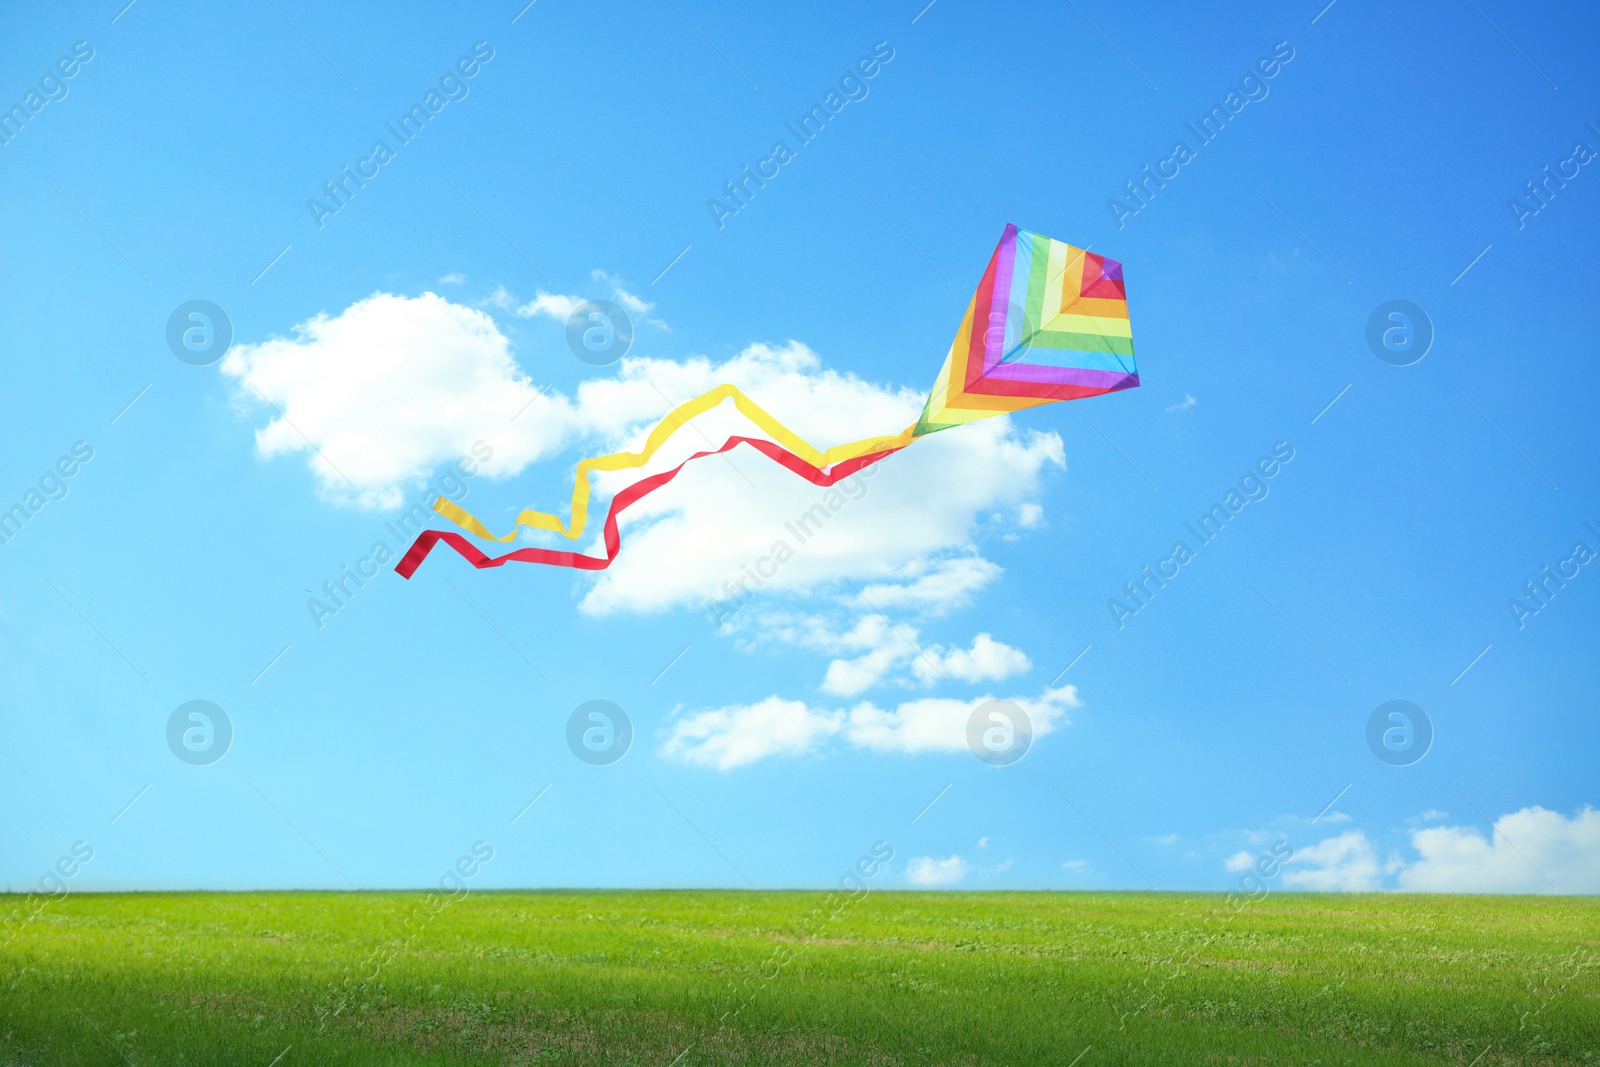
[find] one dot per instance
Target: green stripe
(1037, 270)
(1082, 342)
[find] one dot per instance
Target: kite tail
(612, 536)
(796, 448)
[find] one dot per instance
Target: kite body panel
(1056, 328)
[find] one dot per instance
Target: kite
(1048, 322)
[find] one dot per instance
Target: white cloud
(635, 304)
(1029, 515)
(983, 842)
(1529, 851)
(631, 302)
(932, 586)
(736, 735)
(885, 645)
(927, 871)
(733, 736)
(453, 279)
(987, 660)
(558, 306)
(854, 676)
(1163, 839)
(1183, 405)
(1075, 865)
(939, 724)
(1527, 847)
(551, 305)
(381, 394)
(1346, 863)
(873, 650)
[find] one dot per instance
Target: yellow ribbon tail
(675, 420)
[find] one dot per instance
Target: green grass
(892, 978)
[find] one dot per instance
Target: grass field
(796, 977)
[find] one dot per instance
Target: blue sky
(1228, 715)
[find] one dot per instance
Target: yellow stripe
(1108, 327)
(1055, 284)
(544, 520)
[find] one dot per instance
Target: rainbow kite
(1048, 322)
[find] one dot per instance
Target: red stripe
(982, 309)
(427, 539)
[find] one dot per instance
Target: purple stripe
(1024, 372)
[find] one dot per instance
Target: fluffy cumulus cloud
(881, 645)
(873, 650)
(939, 724)
(383, 393)
(740, 734)
(987, 660)
(1347, 863)
(636, 305)
(732, 736)
(1529, 851)
(931, 586)
(929, 872)
(558, 306)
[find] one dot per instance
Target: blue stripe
(1056, 357)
